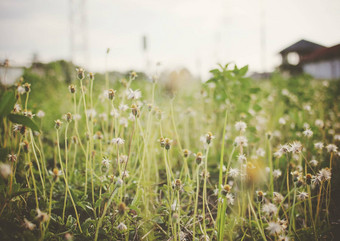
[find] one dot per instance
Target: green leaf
(243, 71)
(98, 203)
(7, 103)
(23, 120)
(20, 192)
(257, 107)
(254, 90)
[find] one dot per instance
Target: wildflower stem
(205, 189)
(220, 224)
(66, 183)
(196, 200)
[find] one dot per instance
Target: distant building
(323, 63)
(319, 61)
(292, 55)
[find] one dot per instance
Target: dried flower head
(80, 73)
(226, 188)
(27, 87)
(28, 225)
(41, 216)
(309, 178)
(199, 157)
(260, 196)
(58, 124)
(56, 173)
(98, 135)
(25, 146)
(177, 184)
(186, 153)
(68, 117)
(122, 208)
(133, 75)
(209, 136)
(12, 157)
(167, 143)
(91, 76)
(111, 94)
(162, 141)
(135, 110)
(277, 197)
(72, 89)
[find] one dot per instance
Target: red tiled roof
(321, 54)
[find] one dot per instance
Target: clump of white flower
(40, 114)
(91, 113)
(260, 152)
(241, 126)
(269, 209)
(282, 121)
(332, 148)
(242, 158)
(319, 123)
(324, 174)
(241, 141)
(123, 107)
(274, 228)
(121, 227)
(106, 162)
(277, 173)
(302, 196)
(308, 132)
(295, 147)
(233, 172)
(277, 197)
(318, 145)
(133, 94)
(118, 141)
(230, 198)
(313, 163)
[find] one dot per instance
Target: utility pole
(78, 33)
(263, 35)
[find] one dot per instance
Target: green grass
(149, 189)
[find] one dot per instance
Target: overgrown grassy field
(98, 157)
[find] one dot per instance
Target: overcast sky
(181, 33)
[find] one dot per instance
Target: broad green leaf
(7, 103)
(23, 120)
(243, 70)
